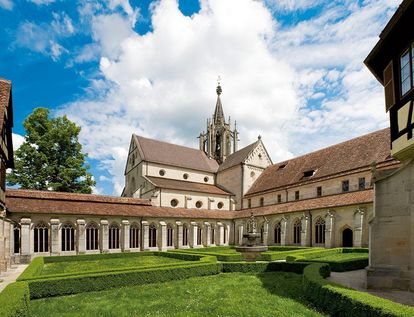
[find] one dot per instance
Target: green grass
(343, 257)
(231, 294)
(216, 250)
(107, 264)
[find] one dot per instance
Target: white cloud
(301, 87)
(42, 2)
(17, 140)
(292, 5)
(6, 4)
(44, 38)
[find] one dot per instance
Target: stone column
(220, 234)
(145, 236)
(3, 263)
(125, 236)
(26, 241)
(240, 234)
(306, 238)
(104, 236)
(55, 237)
(266, 232)
(359, 222)
(179, 235)
(162, 236)
(192, 239)
(330, 229)
(206, 239)
(283, 231)
(81, 236)
(210, 201)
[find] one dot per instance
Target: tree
(51, 156)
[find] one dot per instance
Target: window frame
(410, 51)
(346, 181)
(319, 191)
(297, 194)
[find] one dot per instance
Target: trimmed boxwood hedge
(337, 300)
(41, 288)
(345, 265)
(219, 256)
(15, 300)
(34, 270)
(260, 267)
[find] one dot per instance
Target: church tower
(219, 141)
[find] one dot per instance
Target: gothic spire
(218, 112)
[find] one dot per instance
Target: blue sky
(291, 71)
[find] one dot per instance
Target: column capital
(80, 221)
(54, 221)
(104, 222)
(25, 221)
(125, 222)
(360, 210)
(162, 223)
(178, 223)
(144, 223)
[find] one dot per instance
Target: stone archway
(347, 238)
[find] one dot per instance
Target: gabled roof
(175, 155)
(186, 186)
(238, 157)
(346, 156)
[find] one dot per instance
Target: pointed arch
(41, 237)
(320, 227)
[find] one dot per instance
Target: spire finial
(218, 89)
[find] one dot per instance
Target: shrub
(40, 288)
(14, 300)
(345, 265)
(281, 255)
(337, 300)
(260, 267)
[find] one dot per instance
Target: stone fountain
(250, 249)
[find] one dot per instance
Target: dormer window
(308, 174)
(282, 166)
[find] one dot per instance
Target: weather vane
(218, 80)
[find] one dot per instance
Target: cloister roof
(26, 202)
(54, 203)
(345, 157)
(324, 202)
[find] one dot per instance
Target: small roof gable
(350, 155)
(175, 155)
(239, 156)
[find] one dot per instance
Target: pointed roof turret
(218, 112)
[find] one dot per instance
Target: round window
(220, 205)
(206, 179)
(185, 176)
(174, 202)
(162, 172)
(252, 174)
(199, 204)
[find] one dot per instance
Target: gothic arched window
(152, 236)
(134, 236)
(170, 234)
(278, 233)
(92, 236)
(113, 236)
(320, 230)
(68, 237)
(297, 228)
(41, 238)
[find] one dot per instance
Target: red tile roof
(175, 155)
(324, 202)
(5, 94)
(343, 157)
(26, 202)
(187, 186)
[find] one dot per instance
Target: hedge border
(337, 300)
(41, 288)
(34, 270)
(219, 256)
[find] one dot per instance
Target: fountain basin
(251, 253)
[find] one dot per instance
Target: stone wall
(392, 231)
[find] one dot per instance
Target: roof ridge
(165, 142)
(331, 146)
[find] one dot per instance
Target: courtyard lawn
(107, 264)
(231, 294)
(343, 257)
